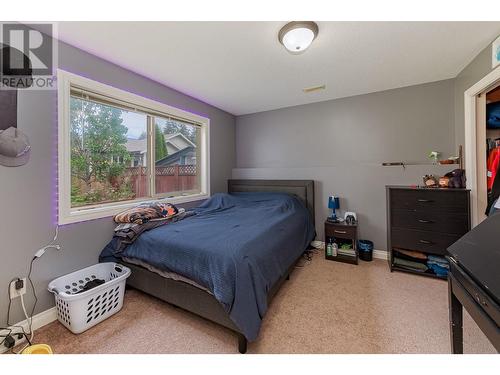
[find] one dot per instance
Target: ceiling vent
(307, 90)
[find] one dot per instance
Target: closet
(482, 129)
(492, 125)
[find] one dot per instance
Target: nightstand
(342, 233)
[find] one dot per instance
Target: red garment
(492, 165)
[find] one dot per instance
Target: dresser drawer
(425, 241)
(342, 232)
(429, 200)
(430, 221)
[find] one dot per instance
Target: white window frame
(67, 214)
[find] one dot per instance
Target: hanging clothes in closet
(492, 166)
(493, 138)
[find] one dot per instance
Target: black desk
(474, 282)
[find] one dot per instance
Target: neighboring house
(180, 151)
(176, 142)
(182, 157)
(137, 149)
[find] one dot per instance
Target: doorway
(476, 149)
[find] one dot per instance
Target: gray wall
(27, 193)
(341, 144)
(471, 74)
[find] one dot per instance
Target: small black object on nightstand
(343, 238)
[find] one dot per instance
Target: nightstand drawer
(425, 241)
(429, 200)
(430, 221)
(340, 232)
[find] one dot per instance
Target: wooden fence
(167, 179)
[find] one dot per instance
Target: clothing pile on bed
(421, 262)
(146, 212)
(137, 220)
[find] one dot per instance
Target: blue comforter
(236, 245)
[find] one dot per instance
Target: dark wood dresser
(427, 220)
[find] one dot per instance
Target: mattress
(164, 273)
(237, 246)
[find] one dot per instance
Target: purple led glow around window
(54, 174)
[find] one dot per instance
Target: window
(104, 139)
(117, 149)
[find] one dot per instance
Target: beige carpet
(326, 307)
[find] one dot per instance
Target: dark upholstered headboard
(303, 189)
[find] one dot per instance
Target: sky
(135, 122)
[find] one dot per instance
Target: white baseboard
(39, 320)
(380, 254)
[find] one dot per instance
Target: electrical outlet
(14, 292)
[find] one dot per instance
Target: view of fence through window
(178, 157)
(109, 154)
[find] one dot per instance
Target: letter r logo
(34, 41)
(30, 49)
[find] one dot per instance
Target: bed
(226, 262)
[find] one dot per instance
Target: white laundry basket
(80, 311)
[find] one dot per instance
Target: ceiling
(241, 67)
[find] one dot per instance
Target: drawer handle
(426, 242)
(424, 200)
(480, 300)
(425, 221)
(340, 231)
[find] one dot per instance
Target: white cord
(50, 245)
(38, 254)
(56, 233)
(30, 324)
(28, 319)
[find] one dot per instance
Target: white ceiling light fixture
(297, 36)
